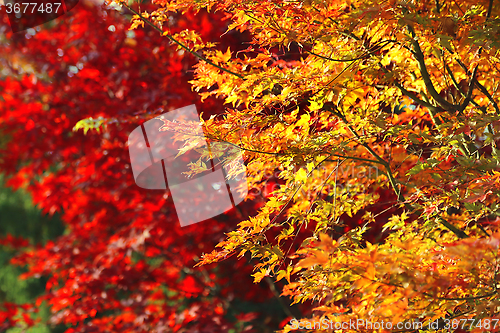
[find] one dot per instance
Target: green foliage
(20, 218)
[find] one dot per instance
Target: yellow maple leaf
(301, 176)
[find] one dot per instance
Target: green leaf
(88, 124)
(416, 169)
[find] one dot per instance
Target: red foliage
(13, 242)
(6, 316)
(124, 264)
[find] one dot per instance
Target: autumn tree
(369, 126)
(352, 106)
(123, 263)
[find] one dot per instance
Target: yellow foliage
(387, 119)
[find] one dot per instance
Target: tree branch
(459, 233)
(490, 97)
(363, 56)
(455, 83)
(285, 154)
(468, 97)
(419, 56)
(392, 180)
(490, 7)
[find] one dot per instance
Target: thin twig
(310, 208)
(171, 38)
